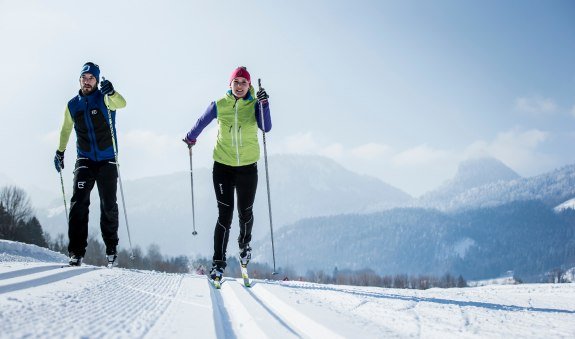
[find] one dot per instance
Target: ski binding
(245, 277)
(216, 283)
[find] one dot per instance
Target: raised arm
(209, 115)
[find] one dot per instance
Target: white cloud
(150, 141)
(51, 137)
(371, 150)
(145, 153)
(299, 143)
(535, 105)
(420, 156)
(334, 151)
(402, 169)
(423, 167)
(307, 143)
(517, 148)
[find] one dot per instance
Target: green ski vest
(237, 143)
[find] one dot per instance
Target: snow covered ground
(569, 204)
(41, 298)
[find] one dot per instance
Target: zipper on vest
(91, 131)
(236, 132)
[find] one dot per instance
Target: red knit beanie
(240, 72)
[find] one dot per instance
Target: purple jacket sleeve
(209, 115)
(267, 117)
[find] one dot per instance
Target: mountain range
(160, 208)
(470, 174)
(525, 237)
(310, 194)
(552, 188)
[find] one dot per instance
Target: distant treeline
(363, 277)
(17, 221)
(152, 259)
(367, 277)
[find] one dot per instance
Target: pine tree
(30, 232)
(4, 221)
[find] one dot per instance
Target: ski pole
(64, 194)
(192, 181)
(267, 177)
(119, 178)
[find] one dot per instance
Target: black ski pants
(105, 175)
(227, 179)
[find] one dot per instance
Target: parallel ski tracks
(38, 276)
(45, 300)
(256, 313)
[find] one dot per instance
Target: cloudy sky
(400, 90)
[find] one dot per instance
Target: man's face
(88, 83)
(240, 87)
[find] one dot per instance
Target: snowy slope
(44, 299)
(552, 188)
(569, 204)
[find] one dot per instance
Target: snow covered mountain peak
(472, 173)
(480, 171)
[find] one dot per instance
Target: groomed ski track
(50, 300)
(144, 304)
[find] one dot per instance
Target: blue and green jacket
(88, 115)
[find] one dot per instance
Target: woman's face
(240, 87)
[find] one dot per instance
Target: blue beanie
(91, 68)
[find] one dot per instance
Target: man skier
(88, 113)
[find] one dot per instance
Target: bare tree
(17, 207)
(16, 203)
(401, 281)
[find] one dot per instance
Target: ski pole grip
(259, 83)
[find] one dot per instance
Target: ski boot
(75, 260)
(112, 260)
(216, 276)
(245, 256)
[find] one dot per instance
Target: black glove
(59, 161)
(262, 95)
(107, 88)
